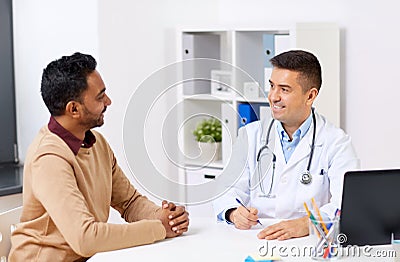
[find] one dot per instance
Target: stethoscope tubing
(308, 176)
(313, 140)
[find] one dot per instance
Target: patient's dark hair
(303, 62)
(64, 80)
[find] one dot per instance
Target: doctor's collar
(301, 131)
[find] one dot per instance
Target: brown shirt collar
(72, 141)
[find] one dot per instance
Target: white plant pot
(210, 152)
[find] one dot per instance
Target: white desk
(208, 240)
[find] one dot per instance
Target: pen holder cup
(325, 239)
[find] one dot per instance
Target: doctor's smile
(275, 107)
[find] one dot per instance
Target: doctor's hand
(174, 218)
(286, 229)
(243, 218)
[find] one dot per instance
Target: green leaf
(208, 130)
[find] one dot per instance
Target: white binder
(229, 118)
(198, 46)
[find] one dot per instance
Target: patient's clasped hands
(174, 218)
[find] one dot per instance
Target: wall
(139, 39)
(43, 31)
(370, 98)
(136, 40)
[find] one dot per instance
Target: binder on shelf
(198, 46)
(269, 48)
(269, 52)
(229, 132)
(246, 114)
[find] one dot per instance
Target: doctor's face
(289, 103)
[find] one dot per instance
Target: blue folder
(246, 114)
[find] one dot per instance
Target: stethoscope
(306, 177)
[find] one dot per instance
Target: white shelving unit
(244, 54)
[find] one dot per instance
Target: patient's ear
(73, 109)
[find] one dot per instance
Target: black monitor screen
(370, 207)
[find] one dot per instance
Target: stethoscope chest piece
(306, 178)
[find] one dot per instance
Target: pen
(307, 210)
(337, 213)
(240, 202)
(319, 215)
(313, 220)
(324, 242)
(336, 217)
(319, 230)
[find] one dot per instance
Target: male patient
(71, 178)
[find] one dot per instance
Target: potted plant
(208, 133)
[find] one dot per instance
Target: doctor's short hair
(303, 62)
(65, 80)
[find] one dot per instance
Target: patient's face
(95, 101)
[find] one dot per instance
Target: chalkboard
(8, 135)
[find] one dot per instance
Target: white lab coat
(333, 156)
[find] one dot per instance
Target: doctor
(292, 157)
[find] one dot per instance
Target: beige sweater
(66, 201)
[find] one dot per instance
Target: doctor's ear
(312, 94)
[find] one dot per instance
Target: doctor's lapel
(264, 166)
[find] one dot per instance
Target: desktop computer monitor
(370, 211)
